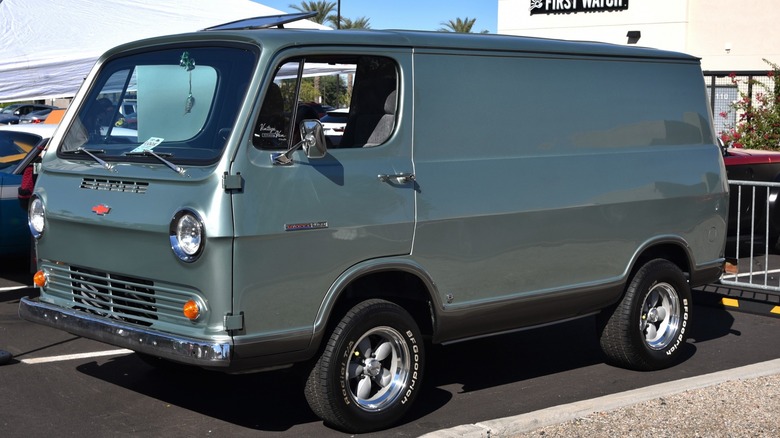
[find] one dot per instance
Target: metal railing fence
(752, 237)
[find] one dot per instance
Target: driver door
(300, 226)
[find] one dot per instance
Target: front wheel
(647, 329)
(370, 370)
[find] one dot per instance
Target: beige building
(729, 35)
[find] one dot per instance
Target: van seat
(372, 111)
(385, 124)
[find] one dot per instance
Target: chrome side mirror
(313, 138)
(312, 142)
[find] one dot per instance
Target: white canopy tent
(47, 48)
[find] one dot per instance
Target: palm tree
(346, 23)
(322, 8)
(458, 25)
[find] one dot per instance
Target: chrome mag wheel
(660, 316)
(378, 368)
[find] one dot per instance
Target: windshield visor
(181, 103)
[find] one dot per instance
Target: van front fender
(368, 267)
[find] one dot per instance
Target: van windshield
(180, 103)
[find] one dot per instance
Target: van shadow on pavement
(274, 401)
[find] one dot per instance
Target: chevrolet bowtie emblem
(101, 209)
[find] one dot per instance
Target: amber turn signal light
(191, 310)
(39, 279)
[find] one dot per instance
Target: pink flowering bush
(758, 123)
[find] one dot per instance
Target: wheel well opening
(402, 288)
(669, 251)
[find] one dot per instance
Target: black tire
(648, 328)
(370, 371)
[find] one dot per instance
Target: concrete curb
(759, 302)
(563, 413)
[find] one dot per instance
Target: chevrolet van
(481, 184)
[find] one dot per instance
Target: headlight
(36, 217)
(186, 235)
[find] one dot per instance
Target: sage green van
(480, 184)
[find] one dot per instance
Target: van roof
(276, 39)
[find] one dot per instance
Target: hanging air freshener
(189, 65)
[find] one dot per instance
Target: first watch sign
(572, 6)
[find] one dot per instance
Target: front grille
(129, 299)
(114, 185)
(114, 296)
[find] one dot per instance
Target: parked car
(55, 116)
(333, 124)
(319, 108)
(16, 144)
(754, 166)
(38, 116)
(10, 115)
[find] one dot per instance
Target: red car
(759, 166)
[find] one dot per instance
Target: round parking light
(40, 279)
(191, 310)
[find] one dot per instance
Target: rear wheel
(647, 329)
(370, 371)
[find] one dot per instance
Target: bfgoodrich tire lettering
(370, 370)
(647, 329)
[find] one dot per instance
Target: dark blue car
(17, 145)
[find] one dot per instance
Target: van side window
(355, 98)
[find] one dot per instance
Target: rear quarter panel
(555, 175)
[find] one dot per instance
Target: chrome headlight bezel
(187, 235)
(36, 216)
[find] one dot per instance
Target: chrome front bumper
(164, 345)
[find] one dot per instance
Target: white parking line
(9, 288)
(75, 356)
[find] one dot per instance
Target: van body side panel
(283, 268)
(547, 175)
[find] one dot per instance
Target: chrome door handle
(398, 178)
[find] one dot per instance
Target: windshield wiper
(147, 152)
(83, 149)
(92, 155)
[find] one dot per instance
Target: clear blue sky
(410, 14)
